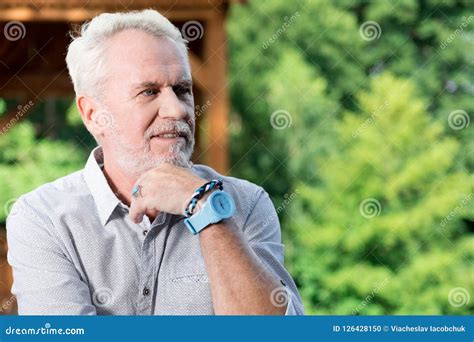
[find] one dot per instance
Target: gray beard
(137, 161)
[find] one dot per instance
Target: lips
(170, 135)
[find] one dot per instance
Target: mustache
(180, 127)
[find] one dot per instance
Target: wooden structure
(32, 65)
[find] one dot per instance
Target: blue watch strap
(197, 222)
(210, 214)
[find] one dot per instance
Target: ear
(89, 110)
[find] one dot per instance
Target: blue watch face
(222, 204)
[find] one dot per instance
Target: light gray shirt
(75, 251)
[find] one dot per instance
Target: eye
(149, 92)
(182, 90)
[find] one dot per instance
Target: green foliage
(392, 154)
(358, 129)
(26, 163)
(369, 135)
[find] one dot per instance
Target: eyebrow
(152, 84)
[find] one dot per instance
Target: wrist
(218, 206)
(203, 200)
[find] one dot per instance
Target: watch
(218, 206)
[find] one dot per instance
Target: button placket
(146, 276)
(149, 266)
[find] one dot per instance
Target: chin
(176, 159)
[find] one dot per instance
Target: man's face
(148, 103)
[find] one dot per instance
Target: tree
(383, 232)
(27, 162)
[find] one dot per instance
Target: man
(130, 234)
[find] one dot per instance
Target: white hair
(85, 53)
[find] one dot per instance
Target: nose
(170, 105)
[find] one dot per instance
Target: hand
(166, 188)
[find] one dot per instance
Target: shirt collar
(104, 197)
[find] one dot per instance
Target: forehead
(133, 56)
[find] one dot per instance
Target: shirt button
(146, 291)
(145, 232)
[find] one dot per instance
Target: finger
(137, 209)
(152, 213)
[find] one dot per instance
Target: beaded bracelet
(199, 193)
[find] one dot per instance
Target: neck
(120, 182)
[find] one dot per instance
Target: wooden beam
(217, 115)
(82, 10)
(31, 85)
(198, 71)
(83, 14)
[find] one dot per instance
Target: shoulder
(50, 201)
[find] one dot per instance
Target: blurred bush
(27, 162)
(370, 163)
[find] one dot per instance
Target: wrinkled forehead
(134, 56)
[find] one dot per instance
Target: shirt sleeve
(262, 230)
(45, 281)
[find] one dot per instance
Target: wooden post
(217, 116)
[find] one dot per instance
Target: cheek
(129, 128)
